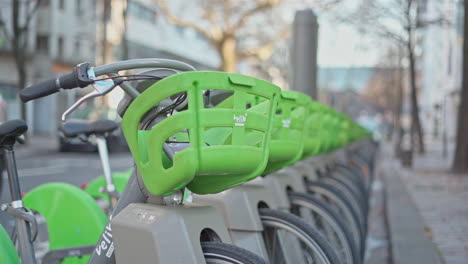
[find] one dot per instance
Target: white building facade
(441, 67)
(62, 34)
(147, 34)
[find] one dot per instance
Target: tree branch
(266, 4)
(264, 51)
(211, 36)
(441, 21)
(3, 27)
(30, 15)
(227, 13)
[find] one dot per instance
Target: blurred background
(376, 59)
(395, 66)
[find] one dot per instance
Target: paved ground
(40, 162)
(442, 200)
(377, 245)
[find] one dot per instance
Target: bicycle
(70, 219)
(255, 199)
(344, 192)
(158, 189)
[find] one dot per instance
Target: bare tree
(399, 101)
(22, 13)
(239, 29)
(399, 21)
(460, 164)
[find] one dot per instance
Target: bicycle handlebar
(39, 90)
(78, 78)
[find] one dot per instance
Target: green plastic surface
(73, 217)
(8, 253)
(231, 158)
(313, 136)
(120, 181)
(289, 127)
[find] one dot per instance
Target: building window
(60, 47)
(140, 11)
(62, 4)
(79, 7)
(42, 44)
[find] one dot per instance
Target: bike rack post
(163, 233)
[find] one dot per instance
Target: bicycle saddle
(10, 130)
(74, 128)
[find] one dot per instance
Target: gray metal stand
(165, 234)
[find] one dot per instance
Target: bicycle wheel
(326, 220)
(363, 200)
(350, 183)
(2, 167)
(289, 239)
(333, 197)
(354, 174)
(350, 196)
(220, 253)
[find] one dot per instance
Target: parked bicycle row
(228, 169)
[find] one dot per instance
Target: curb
(408, 240)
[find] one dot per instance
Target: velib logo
(106, 244)
(286, 123)
(240, 120)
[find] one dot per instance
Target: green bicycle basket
(217, 155)
(327, 130)
(313, 136)
(287, 138)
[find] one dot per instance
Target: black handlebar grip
(69, 81)
(39, 90)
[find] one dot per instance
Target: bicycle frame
(17, 209)
(133, 192)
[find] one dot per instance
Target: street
(39, 162)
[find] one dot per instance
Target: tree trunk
(19, 45)
(416, 128)
(460, 161)
(399, 106)
(106, 13)
(124, 33)
(227, 51)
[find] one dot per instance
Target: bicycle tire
(363, 200)
(354, 187)
(351, 197)
(2, 168)
(350, 252)
(363, 169)
(217, 252)
(355, 174)
(304, 232)
(345, 209)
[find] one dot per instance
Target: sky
(342, 46)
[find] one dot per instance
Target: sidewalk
(377, 242)
(441, 201)
(37, 146)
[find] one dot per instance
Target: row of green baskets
(255, 129)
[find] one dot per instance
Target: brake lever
(101, 87)
(78, 103)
